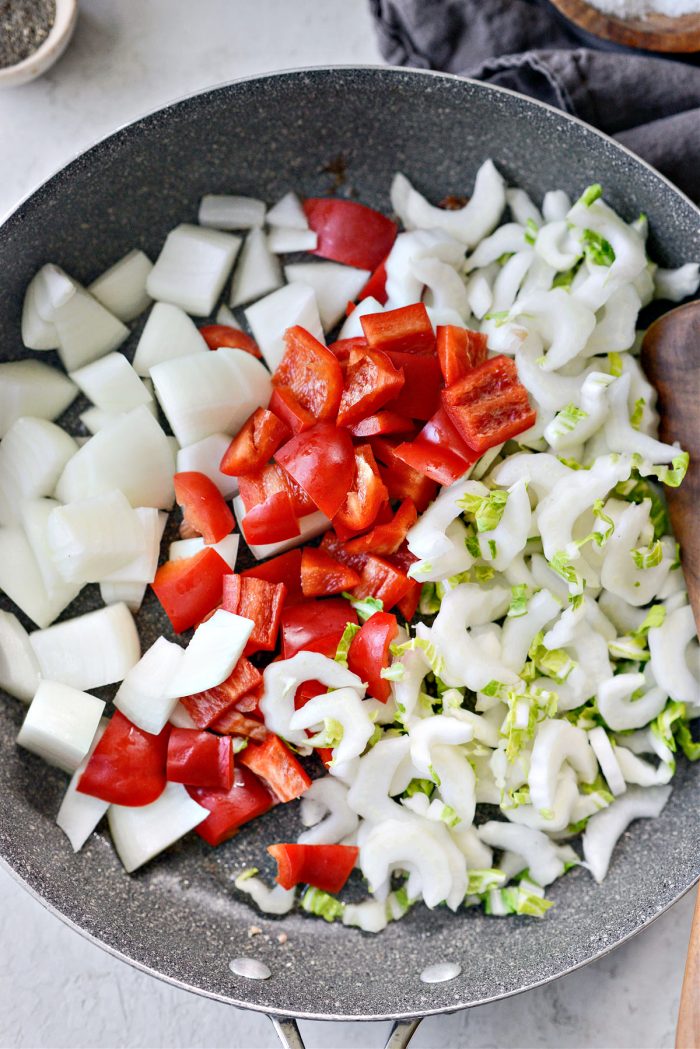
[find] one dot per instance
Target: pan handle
(290, 1037)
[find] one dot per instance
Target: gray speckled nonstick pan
(179, 918)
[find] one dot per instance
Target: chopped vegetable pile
(494, 613)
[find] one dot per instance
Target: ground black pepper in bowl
(24, 25)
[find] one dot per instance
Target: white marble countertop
(56, 989)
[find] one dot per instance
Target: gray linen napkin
(651, 105)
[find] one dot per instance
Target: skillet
(180, 918)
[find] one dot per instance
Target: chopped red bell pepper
(339, 551)
(274, 763)
(325, 754)
(233, 722)
(383, 423)
(200, 759)
(322, 461)
(273, 521)
(375, 288)
(326, 867)
(489, 405)
(203, 506)
(256, 488)
(230, 809)
(306, 691)
(283, 569)
(218, 335)
(205, 708)
(408, 604)
(420, 396)
(255, 443)
(402, 481)
(260, 601)
(369, 654)
(127, 767)
(381, 579)
(342, 348)
(407, 329)
(311, 372)
(189, 589)
(438, 451)
(322, 575)
(250, 704)
(371, 380)
(315, 626)
(364, 499)
(287, 408)
(350, 232)
(386, 538)
(459, 350)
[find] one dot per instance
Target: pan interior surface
(180, 916)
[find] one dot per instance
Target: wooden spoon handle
(688, 1029)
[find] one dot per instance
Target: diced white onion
(33, 455)
(333, 284)
(89, 651)
(228, 212)
(352, 326)
(310, 526)
(79, 813)
(142, 569)
(32, 388)
(35, 514)
(192, 268)
(168, 333)
(21, 579)
(122, 288)
(270, 317)
(60, 724)
(140, 833)
(227, 548)
(180, 718)
(96, 419)
(111, 383)
(212, 654)
(283, 241)
(133, 455)
(86, 330)
(93, 537)
(130, 594)
(212, 394)
(225, 315)
(142, 696)
(288, 213)
(205, 457)
(38, 332)
(19, 669)
(258, 270)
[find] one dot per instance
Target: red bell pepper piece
(206, 707)
(316, 626)
(256, 488)
(489, 405)
(365, 497)
(326, 867)
(386, 538)
(306, 691)
(368, 654)
(371, 380)
(402, 481)
(375, 288)
(408, 604)
(381, 579)
(311, 372)
(230, 809)
(322, 575)
(274, 763)
(218, 335)
(203, 506)
(127, 766)
(233, 722)
(200, 759)
(438, 451)
(407, 329)
(383, 423)
(287, 408)
(459, 350)
(283, 569)
(420, 396)
(322, 461)
(342, 348)
(271, 522)
(350, 232)
(339, 551)
(189, 589)
(255, 443)
(260, 601)
(249, 704)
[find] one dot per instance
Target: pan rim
(140, 124)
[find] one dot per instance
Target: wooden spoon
(671, 359)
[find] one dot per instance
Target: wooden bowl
(654, 32)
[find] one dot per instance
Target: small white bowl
(48, 52)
